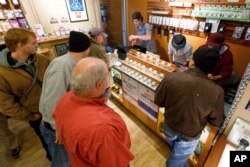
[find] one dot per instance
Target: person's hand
(210, 76)
(133, 42)
(132, 37)
(58, 139)
(35, 116)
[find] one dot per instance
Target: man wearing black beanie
(191, 100)
(56, 83)
(206, 58)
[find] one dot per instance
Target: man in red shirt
(224, 67)
(92, 133)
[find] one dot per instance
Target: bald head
(89, 77)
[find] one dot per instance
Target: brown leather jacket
(191, 100)
(14, 82)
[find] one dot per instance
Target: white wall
(29, 12)
(41, 11)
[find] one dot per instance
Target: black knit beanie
(78, 42)
(206, 58)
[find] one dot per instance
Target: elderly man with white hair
(92, 133)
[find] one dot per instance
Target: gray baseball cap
(97, 31)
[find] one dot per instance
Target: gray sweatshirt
(56, 82)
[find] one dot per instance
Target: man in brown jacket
(97, 49)
(21, 74)
(191, 100)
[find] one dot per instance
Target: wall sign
(77, 10)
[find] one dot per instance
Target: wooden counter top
(53, 39)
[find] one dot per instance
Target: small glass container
(162, 62)
(148, 80)
(140, 77)
(135, 63)
(154, 72)
(161, 75)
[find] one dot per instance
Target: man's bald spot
(87, 63)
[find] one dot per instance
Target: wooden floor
(148, 148)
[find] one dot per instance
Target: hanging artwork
(77, 10)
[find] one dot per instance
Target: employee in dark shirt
(191, 100)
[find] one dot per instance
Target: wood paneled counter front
(215, 155)
(56, 46)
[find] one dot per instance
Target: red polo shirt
(93, 134)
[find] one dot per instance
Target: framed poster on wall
(77, 10)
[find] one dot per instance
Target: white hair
(83, 82)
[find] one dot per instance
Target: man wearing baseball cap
(224, 67)
(97, 49)
(56, 83)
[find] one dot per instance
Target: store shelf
(224, 18)
(159, 12)
(143, 72)
(135, 78)
(166, 68)
(220, 3)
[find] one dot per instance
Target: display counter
(216, 152)
(138, 77)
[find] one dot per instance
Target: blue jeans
(182, 148)
(57, 151)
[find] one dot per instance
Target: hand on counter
(132, 37)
